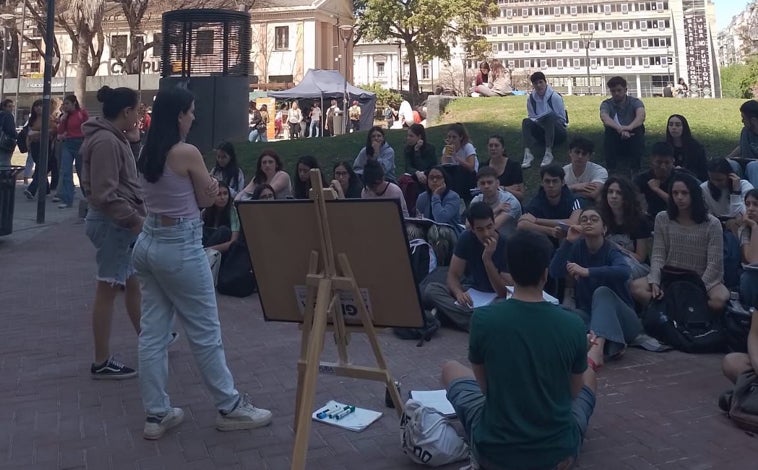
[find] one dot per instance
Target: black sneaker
(112, 370)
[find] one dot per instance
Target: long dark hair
(500, 139)
(303, 187)
(353, 177)
(687, 138)
(164, 131)
(259, 190)
(34, 114)
(698, 210)
(73, 100)
(420, 131)
(116, 100)
(369, 147)
(631, 209)
(231, 171)
(260, 176)
(215, 216)
(460, 129)
(718, 165)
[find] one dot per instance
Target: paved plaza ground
(654, 410)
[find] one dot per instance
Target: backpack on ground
(737, 326)
(235, 276)
(425, 333)
(743, 402)
(423, 259)
(682, 318)
(428, 438)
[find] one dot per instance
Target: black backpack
(235, 276)
(682, 318)
(425, 333)
(423, 259)
(737, 326)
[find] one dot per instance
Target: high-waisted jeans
(176, 278)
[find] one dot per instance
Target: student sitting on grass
(686, 237)
(554, 207)
(269, 170)
(420, 156)
(749, 244)
(478, 262)
(688, 152)
(376, 187)
(601, 276)
(346, 182)
(302, 181)
(376, 149)
(527, 401)
(583, 177)
(508, 171)
(505, 206)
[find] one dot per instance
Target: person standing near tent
(294, 117)
(315, 129)
(355, 117)
(334, 110)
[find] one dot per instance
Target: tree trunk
(82, 65)
(410, 53)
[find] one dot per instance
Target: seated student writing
(601, 275)
(583, 177)
(554, 208)
(686, 237)
(478, 262)
(528, 398)
(376, 187)
(749, 246)
(221, 224)
(629, 229)
(505, 206)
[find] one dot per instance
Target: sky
(726, 9)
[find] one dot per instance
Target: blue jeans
(113, 248)
(256, 135)
(612, 319)
(176, 278)
(751, 171)
(69, 157)
(749, 288)
(315, 129)
(468, 401)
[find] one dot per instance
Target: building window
(575, 45)
(607, 9)
(659, 6)
(627, 44)
(282, 38)
(643, 25)
(577, 63)
(558, 29)
(524, 12)
(543, 46)
(509, 13)
(641, 7)
(609, 44)
(591, 27)
(543, 63)
(509, 30)
(573, 10)
(204, 43)
(624, 8)
(593, 62)
(157, 44)
(643, 43)
(557, 11)
(611, 62)
(625, 25)
(559, 63)
(608, 26)
(661, 24)
(119, 45)
(425, 73)
(593, 45)
(525, 30)
(627, 61)
(540, 12)
(559, 46)
(541, 29)
(510, 47)
(380, 69)
(34, 67)
(574, 28)
(526, 47)
(511, 64)
(646, 61)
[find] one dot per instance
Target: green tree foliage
(740, 80)
(427, 28)
(383, 96)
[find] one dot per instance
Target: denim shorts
(113, 245)
(468, 401)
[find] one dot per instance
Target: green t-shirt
(529, 351)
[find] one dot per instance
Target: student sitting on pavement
(553, 208)
(724, 191)
(688, 152)
(629, 228)
(601, 276)
(583, 177)
(508, 171)
(686, 237)
(478, 262)
(221, 224)
(545, 124)
(301, 184)
(734, 364)
(505, 206)
(529, 398)
(654, 184)
(377, 187)
(749, 247)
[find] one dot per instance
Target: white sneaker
(156, 426)
(547, 159)
(528, 159)
(244, 416)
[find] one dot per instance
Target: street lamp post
(20, 54)
(587, 37)
(346, 33)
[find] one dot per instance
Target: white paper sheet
(436, 399)
(356, 421)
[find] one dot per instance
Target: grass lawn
(715, 123)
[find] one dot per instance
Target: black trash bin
(7, 197)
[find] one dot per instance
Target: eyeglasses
(341, 173)
(377, 136)
(593, 219)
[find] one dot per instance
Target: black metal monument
(208, 51)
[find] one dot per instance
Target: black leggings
(294, 130)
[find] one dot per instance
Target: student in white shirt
(584, 178)
(505, 206)
(545, 124)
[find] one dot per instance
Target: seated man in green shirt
(528, 400)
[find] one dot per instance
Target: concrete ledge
(435, 106)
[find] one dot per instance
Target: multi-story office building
(579, 44)
(740, 38)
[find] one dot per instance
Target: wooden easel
(322, 302)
